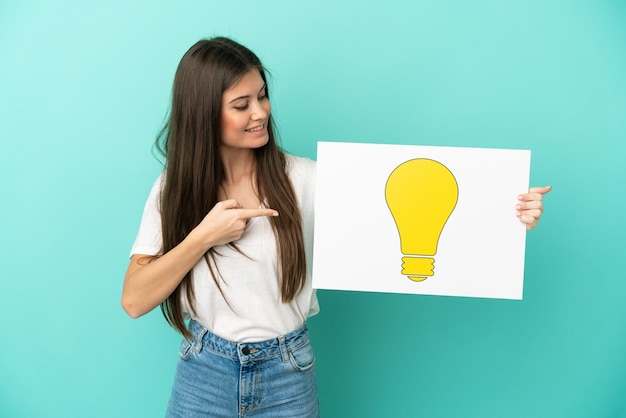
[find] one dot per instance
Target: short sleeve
(149, 239)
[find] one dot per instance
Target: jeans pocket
(185, 349)
(302, 358)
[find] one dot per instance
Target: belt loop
(283, 348)
(198, 343)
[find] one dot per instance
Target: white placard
(385, 215)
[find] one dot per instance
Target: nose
(260, 110)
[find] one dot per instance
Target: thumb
(541, 190)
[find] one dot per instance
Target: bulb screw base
(418, 269)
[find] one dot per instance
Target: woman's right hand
(225, 223)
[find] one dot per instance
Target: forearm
(147, 284)
(150, 280)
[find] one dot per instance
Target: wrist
(199, 241)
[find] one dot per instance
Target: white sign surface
(419, 219)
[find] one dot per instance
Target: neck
(240, 182)
(239, 164)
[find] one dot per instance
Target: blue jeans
(219, 378)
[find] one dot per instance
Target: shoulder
(302, 174)
(300, 167)
(159, 183)
(157, 187)
(154, 197)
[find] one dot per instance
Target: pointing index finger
(255, 213)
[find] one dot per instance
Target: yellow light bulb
(421, 195)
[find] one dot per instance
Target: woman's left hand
(530, 207)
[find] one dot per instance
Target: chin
(262, 143)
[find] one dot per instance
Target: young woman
(225, 241)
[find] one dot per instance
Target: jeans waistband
(261, 350)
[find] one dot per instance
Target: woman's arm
(530, 207)
(150, 280)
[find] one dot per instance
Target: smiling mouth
(256, 128)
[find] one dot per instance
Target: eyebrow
(245, 97)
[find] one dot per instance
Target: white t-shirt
(250, 283)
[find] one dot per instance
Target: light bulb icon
(421, 195)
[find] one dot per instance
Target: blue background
(84, 88)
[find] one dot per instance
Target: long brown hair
(194, 172)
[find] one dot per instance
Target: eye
(241, 108)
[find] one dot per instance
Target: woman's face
(245, 113)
